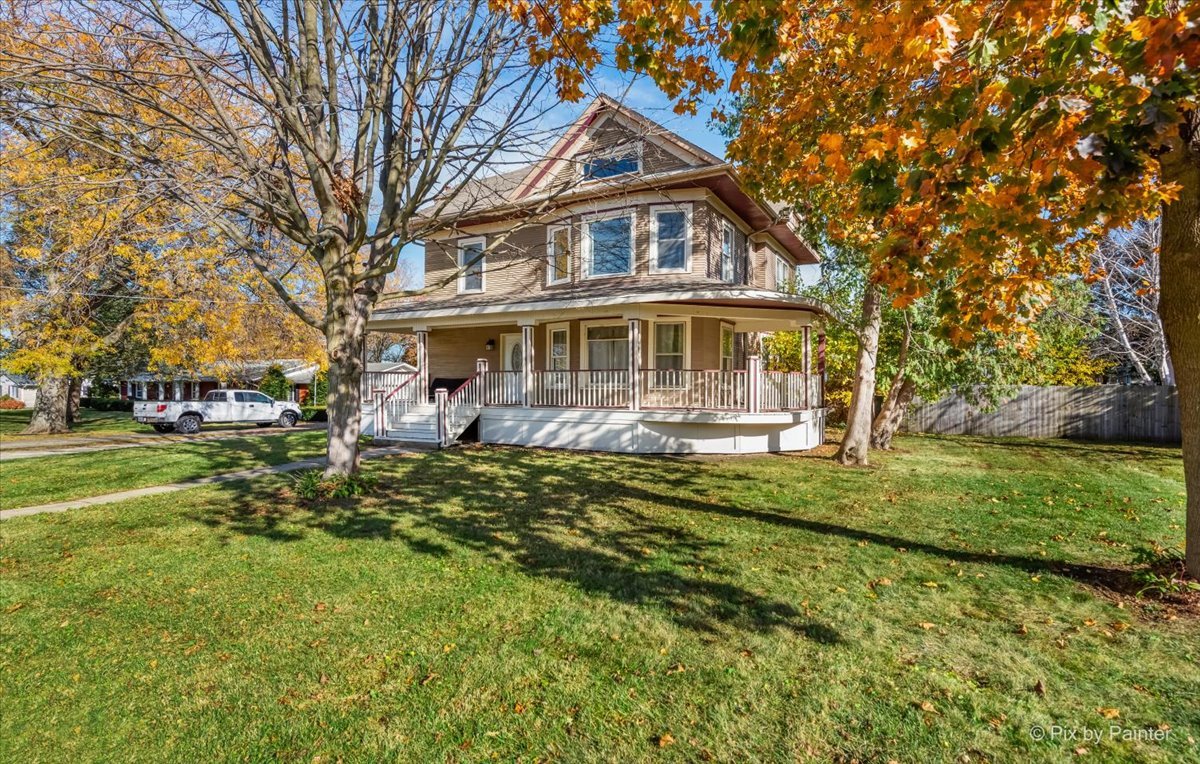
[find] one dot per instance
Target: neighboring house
(608, 297)
(160, 385)
(19, 387)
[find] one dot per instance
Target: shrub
(313, 414)
(1161, 572)
(9, 403)
(275, 384)
(106, 404)
(312, 484)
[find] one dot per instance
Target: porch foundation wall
(653, 432)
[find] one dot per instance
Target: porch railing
(693, 389)
(607, 389)
(387, 381)
(784, 391)
(393, 403)
(503, 388)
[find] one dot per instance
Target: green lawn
(503, 604)
(26, 482)
(91, 423)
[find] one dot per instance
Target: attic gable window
(625, 161)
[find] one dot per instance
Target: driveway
(13, 448)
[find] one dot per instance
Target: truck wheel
(164, 427)
(188, 424)
(287, 419)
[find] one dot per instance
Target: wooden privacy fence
(1103, 412)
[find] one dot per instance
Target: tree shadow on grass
(584, 527)
(599, 525)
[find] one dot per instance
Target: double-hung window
(728, 241)
(607, 346)
(608, 245)
(726, 347)
(470, 265)
(560, 348)
(670, 239)
(783, 275)
(669, 342)
(558, 254)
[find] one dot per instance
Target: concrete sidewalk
(136, 493)
(11, 450)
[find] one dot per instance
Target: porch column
(178, 390)
(635, 364)
(821, 368)
(807, 365)
(422, 365)
(162, 392)
(753, 383)
(526, 365)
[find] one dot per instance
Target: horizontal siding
(517, 266)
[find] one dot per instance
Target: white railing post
(635, 364)
(481, 370)
(753, 383)
(443, 416)
(380, 417)
(807, 367)
(422, 393)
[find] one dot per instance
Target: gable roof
(541, 186)
(20, 380)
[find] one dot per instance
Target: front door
(512, 359)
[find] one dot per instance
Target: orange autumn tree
(993, 141)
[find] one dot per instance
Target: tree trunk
(50, 411)
(345, 332)
(1179, 307)
(891, 415)
(857, 439)
(75, 391)
(900, 394)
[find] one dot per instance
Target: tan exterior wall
(453, 352)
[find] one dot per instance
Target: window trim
(462, 273)
(637, 148)
(655, 211)
(562, 326)
(550, 231)
(727, 226)
(726, 326)
(585, 242)
(584, 359)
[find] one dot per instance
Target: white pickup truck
(218, 406)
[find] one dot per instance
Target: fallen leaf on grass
(665, 739)
(1108, 713)
(926, 625)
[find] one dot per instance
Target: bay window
(727, 247)
(726, 347)
(669, 342)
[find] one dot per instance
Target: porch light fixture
(489, 345)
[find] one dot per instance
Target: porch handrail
(694, 389)
(456, 410)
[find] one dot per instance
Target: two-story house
(608, 297)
